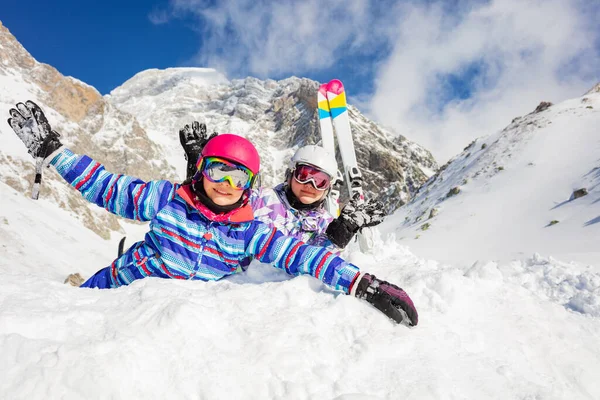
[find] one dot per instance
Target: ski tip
(323, 89)
(335, 86)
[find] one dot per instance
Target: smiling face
(306, 192)
(221, 193)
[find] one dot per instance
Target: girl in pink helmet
(204, 230)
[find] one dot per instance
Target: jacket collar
(245, 213)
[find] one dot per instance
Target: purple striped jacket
(272, 207)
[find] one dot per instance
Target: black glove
(353, 217)
(31, 126)
(387, 298)
(193, 139)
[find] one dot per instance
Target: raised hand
(193, 139)
(353, 217)
(358, 216)
(31, 126)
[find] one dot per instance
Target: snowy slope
(513, 184)
(513, 330)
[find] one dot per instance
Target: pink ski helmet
(234, 148)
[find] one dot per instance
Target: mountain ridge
(513, 191)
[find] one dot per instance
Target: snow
(509, 307)
(513, 184)
(141, 83)
(14, 89)
(491, 330)
(170, 98)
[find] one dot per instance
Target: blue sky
(441, 72)
(105, 43)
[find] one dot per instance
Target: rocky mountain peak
(278, 117)
(595, 89)
(88, 124)
(70, 97)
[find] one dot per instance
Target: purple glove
(387, 298)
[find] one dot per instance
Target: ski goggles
(217, 169)
(308, 174)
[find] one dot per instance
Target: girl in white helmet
(296, 207)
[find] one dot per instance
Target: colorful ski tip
(335, 86)
(323, 102)
(336, 97)
(323, 90)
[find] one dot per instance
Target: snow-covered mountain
(134, 130)
(88, 123)
(277, 116)
(512, 193)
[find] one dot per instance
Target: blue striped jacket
(184, 241)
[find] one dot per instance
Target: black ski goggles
(304, 174)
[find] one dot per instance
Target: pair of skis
(333, 114)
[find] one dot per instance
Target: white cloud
(267, 38)
(525, 51)
(530, 51)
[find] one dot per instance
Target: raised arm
(122, 195)
(193, 139)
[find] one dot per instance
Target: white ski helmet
(316, 156)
